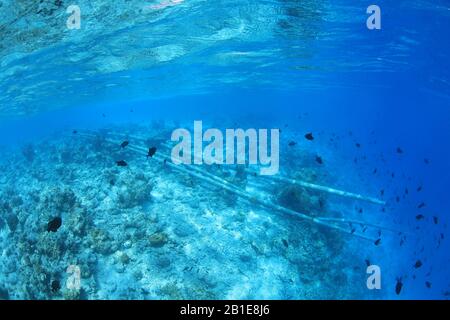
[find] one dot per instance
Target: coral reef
(149, 232)
(302, 200)
(158, 240)
(133, 189)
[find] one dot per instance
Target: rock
(78, 221)
(158, 240)
(137, 274)
(101, 242)
(301, 200)
(184, 229)
(58, 200)
(163, 262)
(72, 294)
(133, 189)
(123, 258)
(4, 295)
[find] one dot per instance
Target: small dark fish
(124, 144)
(419, 188)
(377, 242)
(393, 174)
(406, 191)
(56, 286)
(292, 144)
(398, 286)
(435, 220)
(74, 131)
(122, 163)
(285, 243)
(399, 150)
(103, 115)
(428, 284)
(368, 263)
(309, 136)
(420, 217)
(382, 192)
(54, 224)
(358, 145)
(353, 231)
(319, 160)
(421, 205)
(397, 199)
(360, 210)
(418, 264)
(151, 152)
(375, 171)
(427, 161)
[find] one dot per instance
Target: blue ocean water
(376, 102)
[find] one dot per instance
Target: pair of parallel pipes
(203, 175)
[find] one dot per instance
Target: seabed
(154, 230)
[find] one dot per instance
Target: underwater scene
(224, 149)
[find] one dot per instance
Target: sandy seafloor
(147, 231)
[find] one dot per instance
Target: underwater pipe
(301, 183)
(317, 187)
(309, 185)
(241, 193)
(363, 223)
(222, 181)
(322, 219)
(323, 188)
